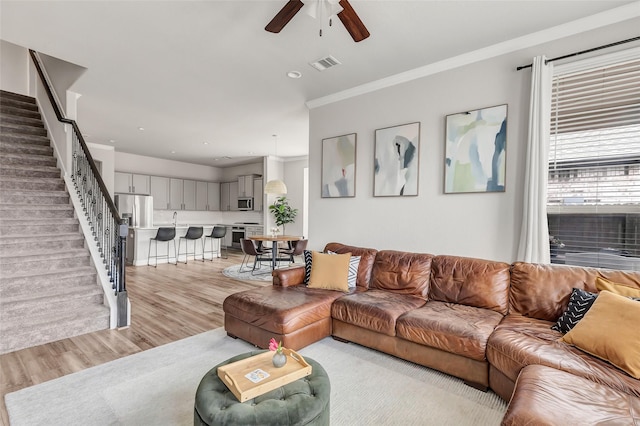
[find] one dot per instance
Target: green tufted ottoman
(303, 402)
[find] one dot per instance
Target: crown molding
(612, 16)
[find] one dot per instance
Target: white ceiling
(191, 72)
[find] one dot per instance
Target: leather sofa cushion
(546, 396)
(459, 329)
(402, 272)
(472, 282)
(281, 310)
(374, 310)
(542, 291)
(367, 257)
(519, 341)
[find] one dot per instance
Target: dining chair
(297, 249)
(249, 249)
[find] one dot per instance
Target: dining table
(274, 246)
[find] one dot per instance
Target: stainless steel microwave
(245, 203)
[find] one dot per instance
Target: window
(593, 193)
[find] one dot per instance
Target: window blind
(593, 192)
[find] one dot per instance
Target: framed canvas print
(339, 166)
(396, 161)
(475, 152)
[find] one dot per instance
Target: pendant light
(275, 186)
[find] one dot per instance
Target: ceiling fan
(347, 15)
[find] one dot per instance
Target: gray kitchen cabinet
(228, 237)
(213, 196)
(159, 189)
(182, 194)
(258, 195)
(253, 230)
(176, 191)
(132, 183)
(189, 195)
(122, 182)
(225, 201)
(202, 196)
(245, 186)
(233, 196)
(207, 196)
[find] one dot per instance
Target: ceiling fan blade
(352, 22)
(284, 16)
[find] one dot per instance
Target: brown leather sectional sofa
(488, 323)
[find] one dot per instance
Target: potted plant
(283, 212)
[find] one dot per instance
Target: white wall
(273, 169)
(132, 163)
(14, 68)
(477, 225)
(231, 173)
(294, 179)
(106, 156)
(62, 75)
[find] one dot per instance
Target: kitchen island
(139, 237)
(138, 244)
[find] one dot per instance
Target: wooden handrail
(76, 129)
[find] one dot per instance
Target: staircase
(48, 287)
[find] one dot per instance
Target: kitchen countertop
(186, 225)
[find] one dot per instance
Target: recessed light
(173, 152)
(216, 159)
(112, 141)
(205, 143)
(294, 74)
(141, 128)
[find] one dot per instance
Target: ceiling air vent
(324, 63)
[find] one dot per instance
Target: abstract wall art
(396, 161)
(475, 152)
(339, 166)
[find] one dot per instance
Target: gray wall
(477, 225)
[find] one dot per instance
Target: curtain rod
(582, 52)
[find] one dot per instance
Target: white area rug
(157, 387)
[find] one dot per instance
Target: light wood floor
(167, 304)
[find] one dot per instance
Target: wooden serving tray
(234, 375)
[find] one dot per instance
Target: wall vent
(324, 63)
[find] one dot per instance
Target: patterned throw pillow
(308, 259)
(579, 303)
(354, 264)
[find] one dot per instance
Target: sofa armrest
(288, 277)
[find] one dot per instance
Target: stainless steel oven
(237, 232)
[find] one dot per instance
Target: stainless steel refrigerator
(138, 209)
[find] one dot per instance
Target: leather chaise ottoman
(546, 396)
(297, 316)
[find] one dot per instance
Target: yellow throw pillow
(617, 288)
(329, 271)
(609, 330)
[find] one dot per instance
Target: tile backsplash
(164, 217)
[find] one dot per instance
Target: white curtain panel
(534, 235)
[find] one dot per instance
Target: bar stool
(193, 233)
(217, 233)
(163, 235)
